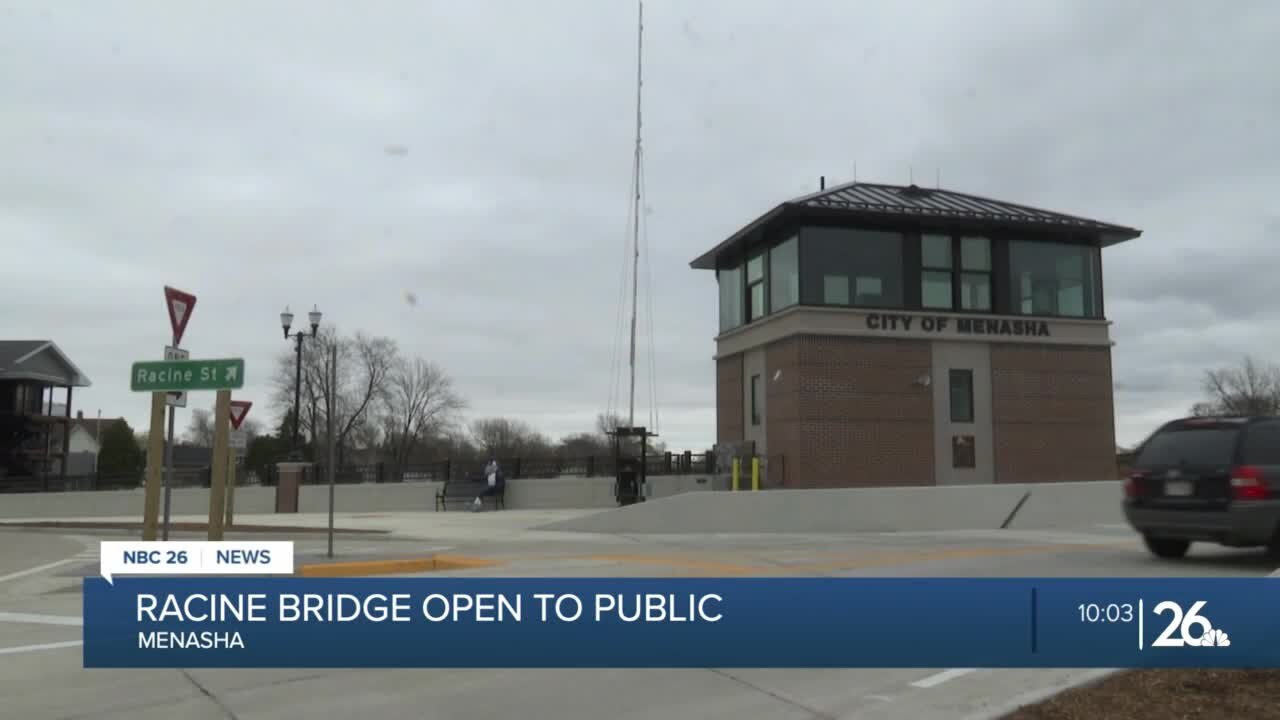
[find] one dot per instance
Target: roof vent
(914, 190)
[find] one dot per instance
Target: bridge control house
(876, 335)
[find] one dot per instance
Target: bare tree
(1249, 388)
(251, 428)
(363, 366)
(420, 402)
(366, 437)
(505, 437)
(607, 422)
(199, 429)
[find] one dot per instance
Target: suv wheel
(1167, 547)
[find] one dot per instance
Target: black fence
(71, 483)
(686, 463)
(178, 478)
(667, 463)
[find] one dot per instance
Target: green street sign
(187, 375)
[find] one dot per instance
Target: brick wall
(729, 407)
(1053, 413)
(858, 418)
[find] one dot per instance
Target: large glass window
(975, 273)
(936, 269)
(847, 267)
(756, 288)
(784, 275)
(730, 298)
(948, 285)
(1054, 279)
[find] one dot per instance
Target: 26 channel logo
(1187, 628)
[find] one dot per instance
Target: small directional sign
(180, 305)
(187, 375)
(176, 399)
(238, 440)
(239, 411)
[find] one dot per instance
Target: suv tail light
(1247, 483)
(1133, 484)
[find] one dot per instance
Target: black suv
(1207, 479)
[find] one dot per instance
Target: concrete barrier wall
(956, 507)
(1071, 505)
(540, 493)
(676, 504)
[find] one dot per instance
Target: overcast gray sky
(238, 150)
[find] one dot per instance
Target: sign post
(179, 305)
(333, 383)
(174, 401)
(155, 468)
(218, 481)
(239, 410)
(161, 377)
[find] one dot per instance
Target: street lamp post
(286, 320)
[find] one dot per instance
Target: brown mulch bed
(181, 527)
(1166, 695)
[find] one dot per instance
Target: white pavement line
(45, 646)
(36, 569)
(944, 676)
(38, 619)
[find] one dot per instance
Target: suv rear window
(1213, 446)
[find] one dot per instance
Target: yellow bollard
(735, 474)
(755, 474)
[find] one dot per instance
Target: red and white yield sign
(239, 410)
(180, 306)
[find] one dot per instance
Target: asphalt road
(40, 606)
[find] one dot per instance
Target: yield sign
(239, 409)
(180, 306)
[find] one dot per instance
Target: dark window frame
(952, 375)
(1008, 286)
(761, 254)
(957, 271)
(904, 241)
(755, 406)
(780, 240)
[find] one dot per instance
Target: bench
(465, 491)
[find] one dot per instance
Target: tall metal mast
(635, 231)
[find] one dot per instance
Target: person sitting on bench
(493, 482)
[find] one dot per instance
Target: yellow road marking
(398, 566)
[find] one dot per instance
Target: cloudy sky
(239, 150)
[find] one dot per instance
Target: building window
(755, 402)
(848, 267)
(961, 396)
(975, 274)
(730, 297)
(1054, 279)
(948, 285)
(784, 274)
(936, 270)
(756, 288)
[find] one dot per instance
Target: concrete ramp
(958, 507)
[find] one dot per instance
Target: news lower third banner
(293, 622)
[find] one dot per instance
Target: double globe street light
(286, 320)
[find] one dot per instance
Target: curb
(1018, 702)
(363, 568)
